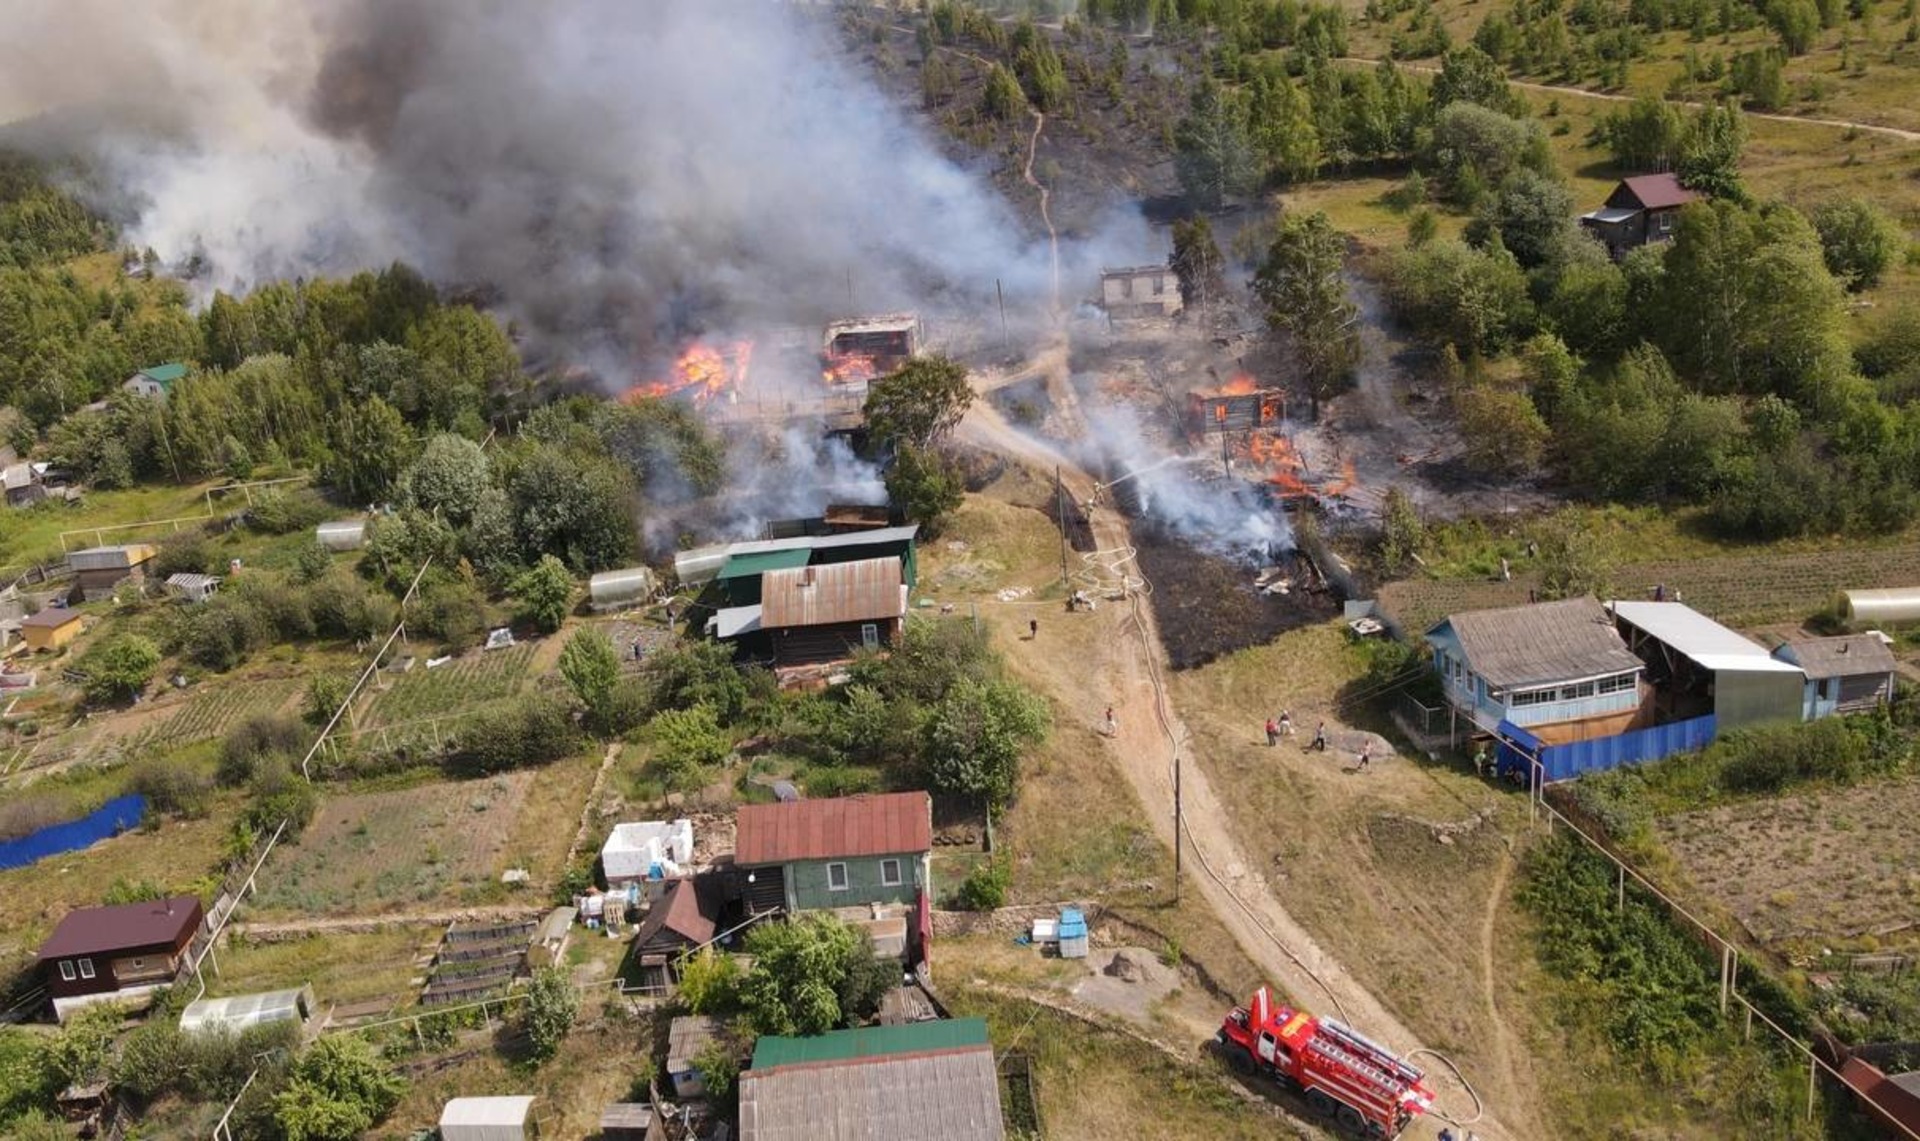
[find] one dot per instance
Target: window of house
(139, 963)
(836, 877)
(1576, 692)
(66, 970)
(870, 635)
(1618, 683)
(1159, 286)
(890, 872)
(1531, 697)
(86, 968)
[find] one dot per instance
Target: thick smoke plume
(619, 174)
(1226, 517)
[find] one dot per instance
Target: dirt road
(1613, 97)
(1150, 741)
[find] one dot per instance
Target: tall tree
(369, 448)
(1198, 263)
(1283, 132)
(1213, 155)
(591, 666)
(1858, 239)
(1645, 134)
(1302, 286)
(1710, 152)
(919, 403)
(1469, 75)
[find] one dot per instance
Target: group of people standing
(1282, 726)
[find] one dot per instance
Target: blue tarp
(1564, 762)
(110, 819)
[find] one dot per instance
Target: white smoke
(1226, 516)
(622, 174)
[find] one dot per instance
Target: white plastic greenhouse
(243, 1011)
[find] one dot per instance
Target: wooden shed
(50, 629)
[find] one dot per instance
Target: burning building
(703, 372)
(1239, 406)
(858, 349)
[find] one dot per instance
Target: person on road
(1319, 738)
(1273, 732)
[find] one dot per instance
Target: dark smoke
(621, 173)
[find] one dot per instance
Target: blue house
(1849, 674)
(1559, 669)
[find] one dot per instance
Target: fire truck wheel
(1351, 1121)
(1240, 1060)
(1320, 1103)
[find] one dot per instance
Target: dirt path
(1026, 172)
(1613, 97)
(1509, 1056)
(1150, 737)
(592, 802)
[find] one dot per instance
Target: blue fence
(110, 819)
(1564, 762)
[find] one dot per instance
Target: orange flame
(702, 371)
(850, 368)
(1242, 384)
(1288, 472)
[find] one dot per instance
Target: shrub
(543, 594)
(710, 982)
(455, 612)
(338, 1089)
(259, 736)
(985, 887)
(1771, 758)
(118, 669)
(325, 694)
(687, 743)
(223, 632)
(531, 731)
(282, 513)
(186, 553)
(279, 793)
(172, 788)
(551, 1008)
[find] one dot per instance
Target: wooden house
(1558, 669)
(51, 629)
(156, 382)
(1642, 209)
(843, 852)
(1848, 674)
(124, 951)
(816, 614)
(98, 570)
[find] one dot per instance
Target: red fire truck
(1353, 1081)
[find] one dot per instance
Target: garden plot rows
(384, 851)
(478, 677)
(211, 712)
(1737, 589)
(1826, 868)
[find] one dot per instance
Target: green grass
(342, 967)
(32, 534)
(214, 710)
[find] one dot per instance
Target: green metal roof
(756, 563)
(870, 1042)
(165, 373)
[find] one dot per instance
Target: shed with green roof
(931, 1081)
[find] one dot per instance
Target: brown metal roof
(882, 824)
(52, 618)
(680, 913)
(1569, 640)
(1846, 656)
(942, 1095)
(826, 593)
(99, 930)
(1658, 191)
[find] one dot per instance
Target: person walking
(1320, 738)
(1112, 726)
(1033, 629)
(1273, 732)
(1480, 760)
(1366, 754)
(1286, 723)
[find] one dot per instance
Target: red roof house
(126, 950)
(1642, 209)
(844, 852)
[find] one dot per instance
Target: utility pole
(1006, 338)
(1060, 510)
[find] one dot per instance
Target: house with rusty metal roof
(125, 951)
(813, 615)
(1558, 669)
(928, 1081)
(1642, 209)
(844, 852)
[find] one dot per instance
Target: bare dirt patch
(1814, 868)
(370, 852)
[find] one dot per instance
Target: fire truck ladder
(1348, 1047)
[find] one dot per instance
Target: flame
(1288, 472)
(1242, 384)
(850, 368)
(702, 371)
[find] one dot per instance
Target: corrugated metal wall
(1564, 762)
